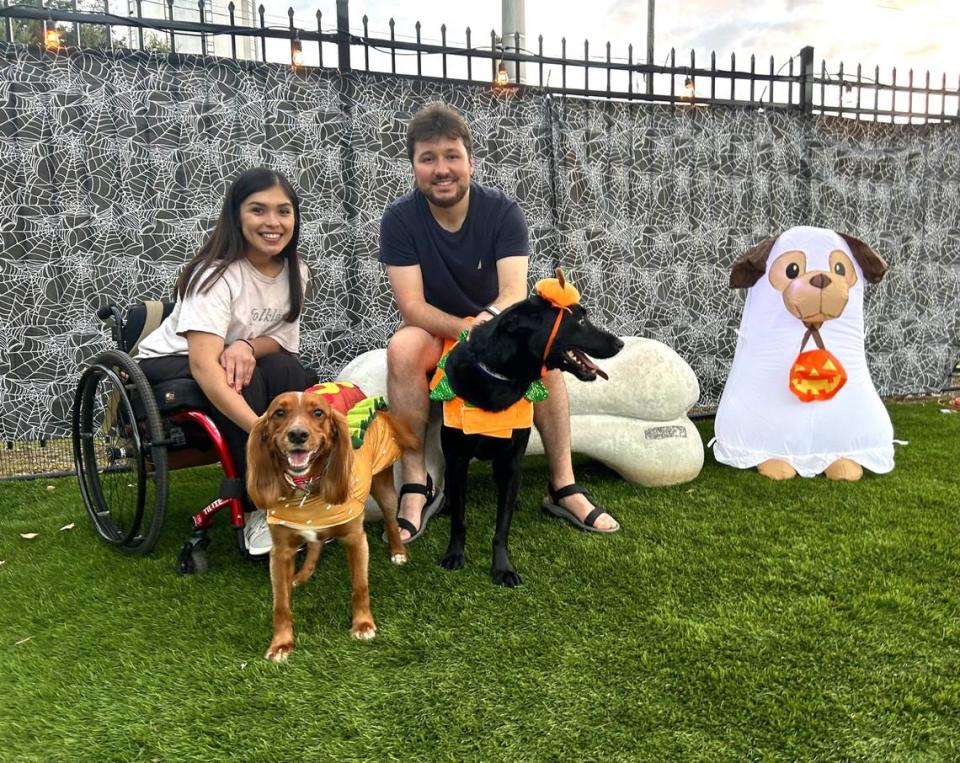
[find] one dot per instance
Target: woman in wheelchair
(235, 328)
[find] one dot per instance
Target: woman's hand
(238, 362)
(207, 365)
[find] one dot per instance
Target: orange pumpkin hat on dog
(557, 291)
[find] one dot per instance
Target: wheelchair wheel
(119, 453)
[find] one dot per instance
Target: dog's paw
(279, 652)
(453, 560)
(364, 631)
(508, 578)
(399, 558)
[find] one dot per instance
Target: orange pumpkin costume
(460, 414)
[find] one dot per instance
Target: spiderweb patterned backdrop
(113, 167)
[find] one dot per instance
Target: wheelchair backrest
(139, 320)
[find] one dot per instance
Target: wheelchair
(128, 435)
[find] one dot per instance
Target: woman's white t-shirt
(242, 304)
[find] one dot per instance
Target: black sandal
(551, 505)
(434, 504)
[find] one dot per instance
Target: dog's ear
(336, 480)
(751, 265)
(871, 263)
(524, 318)
(263, 469)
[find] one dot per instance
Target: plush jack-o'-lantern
(816, 375)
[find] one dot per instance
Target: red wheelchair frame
(128, 434)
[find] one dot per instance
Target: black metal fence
(795, 84)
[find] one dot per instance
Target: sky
(888, 33)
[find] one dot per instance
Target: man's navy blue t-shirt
(459, 269)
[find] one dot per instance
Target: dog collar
(483, 367)
(302, 486)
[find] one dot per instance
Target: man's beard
(447, 201)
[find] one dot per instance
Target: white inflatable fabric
(636, 422)
(759, 418)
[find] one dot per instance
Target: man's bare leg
(552, 419)
(411, 354)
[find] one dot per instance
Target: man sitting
(452, 249)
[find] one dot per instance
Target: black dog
(492, 370)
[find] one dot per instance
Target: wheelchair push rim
(119, 455)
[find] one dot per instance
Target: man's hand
(482, 317)
(238, 362)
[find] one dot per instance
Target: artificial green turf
(732, 618)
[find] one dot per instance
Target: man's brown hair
(438, 120)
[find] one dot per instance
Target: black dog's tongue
(590, 364)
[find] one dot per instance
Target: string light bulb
(503, 78)
(689, 89)
(52, 38)
(296, 52)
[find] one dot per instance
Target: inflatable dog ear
(752, 264)
(871, 263)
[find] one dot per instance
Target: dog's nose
(619, 344)
(297, 435)
(820, 281)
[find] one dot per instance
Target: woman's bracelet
(249, 344)
(494, 311)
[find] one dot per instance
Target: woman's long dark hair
(226, 244)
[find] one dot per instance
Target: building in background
(215, 12)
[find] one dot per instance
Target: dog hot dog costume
(374, 449)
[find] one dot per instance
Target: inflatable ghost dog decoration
(799, 398)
